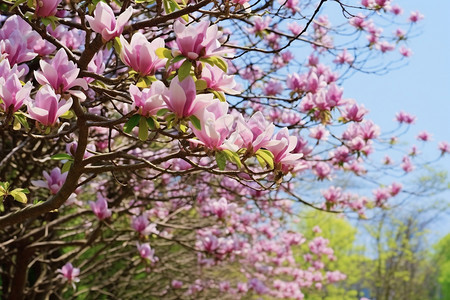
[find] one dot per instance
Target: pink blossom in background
(259, 24)
(140, 54)
(176, 284)
(146, 252)
(53, 181)
(424, 136)
(407, 165)
(415, 17)
(150, 100)
(105, 23)
(69, 273)
(406, 52)
(444, 147)
(46, 8)
(396, 10)
(403, 117)
(344, 57)
(273, 87)
(142, 225)
(100, 207)
(47, 106)
(319, 133)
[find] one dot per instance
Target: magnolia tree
(161, 149)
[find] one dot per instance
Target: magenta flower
(415, 16)
(259, 24)
(105, 23)
(46, 8)
(69, 273)
(47, 106)
(273, 88)
(146, 252)
(176, 284)
(197, 41)
(100, 207)
(149, 101)
(216, 125)
(281, 147)
(424, 136)
(142, 225)
(217, 80)
(140, 54)
(403, 117)
(53, 181)
(12, 93)
(444, 147)
(182, 98)
(319, 133)
(344, 57)
(61, 74)
(253, 134)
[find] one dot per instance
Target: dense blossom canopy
(163, 148)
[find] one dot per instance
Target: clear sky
(421, 88)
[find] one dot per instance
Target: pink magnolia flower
(197, 41)
(295, 28)
(415, 16)
(217, 80)
(220, 207)
(149, 100)
(12, 93)
(259, 24)
(182, 98)
(424, 136)
(385, 46)
(216, 125)
(273, 88)
(444, 147)
(69, 273)
(53, 181)
(395, 188)
(322, 170)
(142, 225)
(319, 133)
(96, 66)
(46, 8)
(176, 284)
(359, 22)
(282, 146)
(406, 52)
(354, 112)
(146, 252)
(344, 57)
(100, 207)
(47, 106)
(407, 165)
(105, 23)
(396, 10)
(403, 117)
(61, 74)
(140, 54)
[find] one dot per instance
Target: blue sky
(421, 88)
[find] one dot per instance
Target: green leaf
(19, 195)
(219, 95)
(233, 157)
(66, 166)
(178, 58)
(152, 123)
(162, 112)
(117, 45)
(132, 122)
(184, 70)
(196, 122)
(143, 129)
(19, 116)
(164, 53)
(61, 156)
(218, 61)
(201, 85)
(221, 159)
(265, 157)
(18, 2)
(68, 115)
